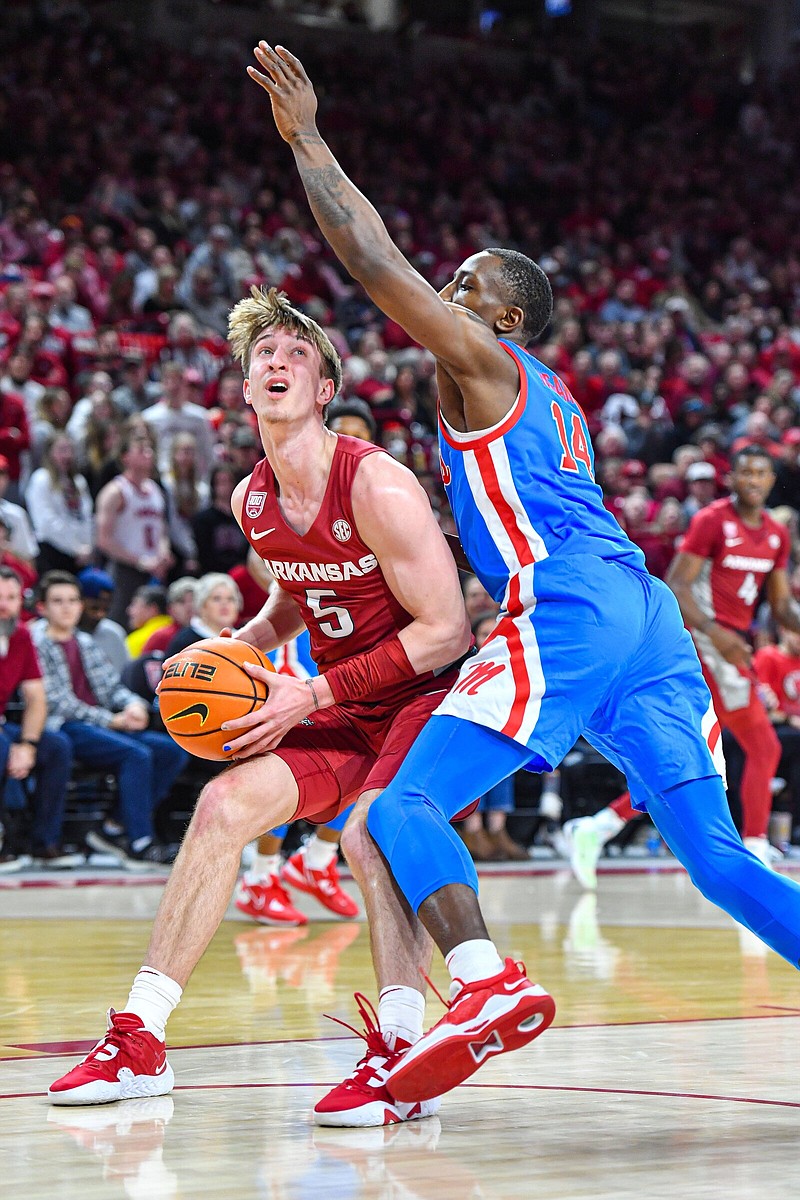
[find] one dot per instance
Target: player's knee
(218, 808)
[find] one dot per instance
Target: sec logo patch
(341, 530)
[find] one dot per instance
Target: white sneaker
(764, 851)
(584, 846)
(761, 849)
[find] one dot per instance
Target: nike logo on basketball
(194, 710)
(258, 536)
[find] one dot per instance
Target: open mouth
(278, 387)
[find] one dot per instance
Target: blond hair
(270, 309)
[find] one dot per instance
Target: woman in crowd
(60, 507)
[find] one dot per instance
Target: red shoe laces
(114, 1037)
(376, 1042)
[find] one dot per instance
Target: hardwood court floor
(672, 1069)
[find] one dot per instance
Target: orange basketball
(206, 685)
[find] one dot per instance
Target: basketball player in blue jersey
(586, 642)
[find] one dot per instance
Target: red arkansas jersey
(781, 672)
(738, 561)
(332, 574)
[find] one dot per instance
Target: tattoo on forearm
(306, 137)
(326, 194)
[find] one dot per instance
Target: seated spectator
(106, 725)
(97, 593)
(147, 614)
(21, 541)
(29, 752)
(180, 608)
(60, 507)
(220, 542)
(217, 604)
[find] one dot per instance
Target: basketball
(206, 685)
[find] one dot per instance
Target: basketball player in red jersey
(350, 537)
(732, 552)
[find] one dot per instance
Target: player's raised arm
(355, 230)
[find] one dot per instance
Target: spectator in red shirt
(27, 750)
(15, 436)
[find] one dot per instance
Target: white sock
(262, 867)
(473, 960)
(608, 824)
(400, 1014)
(153, 997)
(319, 854)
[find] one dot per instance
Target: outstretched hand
(294, 104)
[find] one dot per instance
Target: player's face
(286, 380)
(476, 285)
(752, 480)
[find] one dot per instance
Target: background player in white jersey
(586, 639)
(732, 553)
(335, 509)
(132, 525)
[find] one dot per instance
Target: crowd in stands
(142, 194)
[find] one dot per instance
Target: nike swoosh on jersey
(258, 536)
(733, 541)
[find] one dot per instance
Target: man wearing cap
(701, 484)
(97, 593)
(135, 392)
(179, 411)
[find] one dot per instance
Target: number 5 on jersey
(576, 448)
(341, 623)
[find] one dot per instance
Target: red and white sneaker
(486, 1018)
(128, 1062)
(362, 1099)
(267, 902)
(323, 885)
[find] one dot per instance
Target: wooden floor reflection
(671, 1070)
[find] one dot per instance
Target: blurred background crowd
(143, 190)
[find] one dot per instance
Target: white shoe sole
(128, 1087)
(379, 1112)
(448, 1054)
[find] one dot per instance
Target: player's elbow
(452, 638)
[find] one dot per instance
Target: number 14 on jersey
(575, 445)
